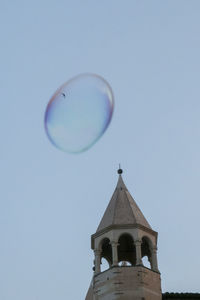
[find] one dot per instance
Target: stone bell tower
(123, 238)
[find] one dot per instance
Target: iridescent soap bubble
(79, 112)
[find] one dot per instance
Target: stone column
(114, 253)
(154, 259)
(138, 244)
(97, 254)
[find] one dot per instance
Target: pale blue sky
(51, 202)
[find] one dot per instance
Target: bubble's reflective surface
(79, 112)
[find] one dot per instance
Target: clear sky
(51, 201)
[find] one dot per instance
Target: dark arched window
(106, 253)
(126, 250)
(146, 252)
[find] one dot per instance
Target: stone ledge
(120, 268)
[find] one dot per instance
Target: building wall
(127, 283)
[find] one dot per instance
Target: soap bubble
(79, 112)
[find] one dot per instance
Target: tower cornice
(126, 226)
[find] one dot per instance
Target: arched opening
(146, 252)
(126, 250)
(146, 262)
(104, 264)
(106, 254)
(125, 264)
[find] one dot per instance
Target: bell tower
(123, 238)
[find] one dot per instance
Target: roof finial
(120, 171)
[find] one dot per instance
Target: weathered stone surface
(127, 283)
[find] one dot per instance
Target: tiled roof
(177, 296)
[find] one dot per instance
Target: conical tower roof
(122, 209)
